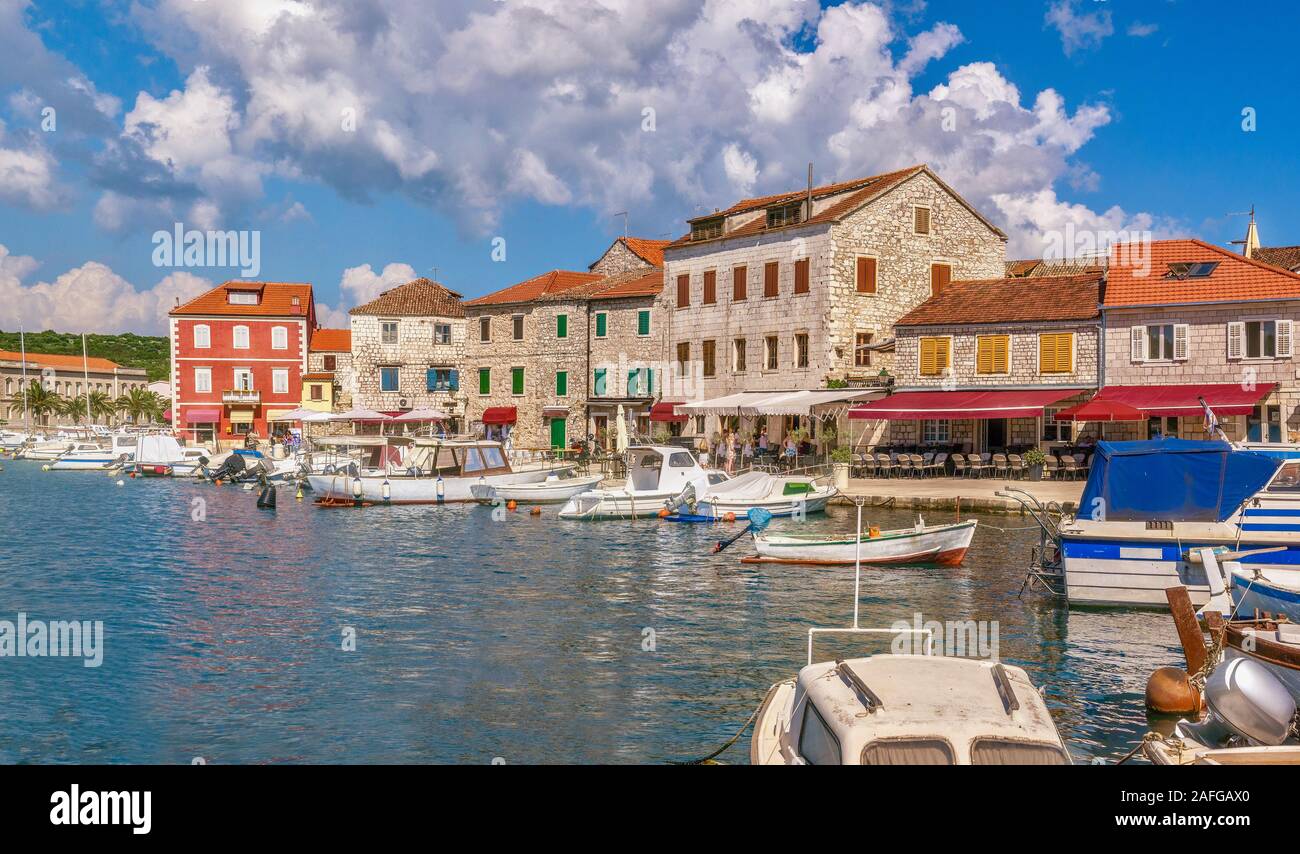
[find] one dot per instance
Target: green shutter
(484, 380)
(599, 385)
(600, 325)
(516, 380)
(561, 326)
(561, 383)
(631, 382)
(643, 322)
(649, 381)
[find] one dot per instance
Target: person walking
(731, 453)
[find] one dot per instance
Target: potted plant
(1035, 459)
(840, 460)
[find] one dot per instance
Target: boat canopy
(1172, 480)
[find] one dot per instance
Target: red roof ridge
(205, 299)
(546, 284)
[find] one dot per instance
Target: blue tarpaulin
(1174, 480)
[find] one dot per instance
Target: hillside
(127, 349)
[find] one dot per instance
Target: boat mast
(22, 345)
(85, 373)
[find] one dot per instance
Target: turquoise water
(520, 640)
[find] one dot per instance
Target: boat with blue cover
(1170, 512)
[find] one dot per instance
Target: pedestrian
(762, 441)
(731, 453)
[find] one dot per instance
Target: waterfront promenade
(946, 493)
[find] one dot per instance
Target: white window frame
(438, 329)
(936, 430)
(204, 341)
(279, 338)
(235, 336)
(1139, 343)
(280, 381)
(1283, 338)
(807, 350)
(203, 381)
(383, 333)
(236, 373)
(1050, 421)
(600, 314)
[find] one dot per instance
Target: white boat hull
(84, 464)
(1276, 592)
(945, 545)
(812, 502)
(548, 491)
(615, 504)
(404, 489)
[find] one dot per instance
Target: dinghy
(945, 545)
(1266, 591)
(780, 495)
(1275, 645)
(557, 488)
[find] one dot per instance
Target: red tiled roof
(59, 360)
(275, 299)
(1286, 257)
(331, 341)
(319, 375)
(637, 284)
(416, 298)
(1138, 276)
(1022, 268)
(1010, 300)
(650, 251)
(545, 285)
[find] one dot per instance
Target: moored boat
(656, 476)
(1266, 591)
(945, 545)
(1275, 645)
(96, 456)
(555, 489)
(780, 495)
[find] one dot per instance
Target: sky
(482, 142)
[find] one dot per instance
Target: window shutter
(631, 383)
(1284, 339)
(771, 286)
(561, 383)
(1065, 352)
(683, 290)
(1001, 346)
(1046, 354)
(485, 381)
(561, 326)
(983, 356)
(601, 320)
(921, 220)
(1180, 341)
(643, 323)
(940, 276)
(599, 384)
(710, 287)
(1137, 343)
(927, 357)
(1236, 337)
(430, 379)
(649, 382)
(453, 382)
(943, 355)
(801, 276)
(738, 276)
(866, 275)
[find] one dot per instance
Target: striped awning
(241, 416)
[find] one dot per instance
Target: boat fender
(729, 517)
(664, 513)
(1170, 692)
(873, 532)
(121, 482)
(536, 511)
(511, 504)
(440, 489)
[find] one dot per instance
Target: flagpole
(85, 373)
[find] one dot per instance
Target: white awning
(806, 402)
(729, 404)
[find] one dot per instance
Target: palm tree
(74, 408)
(42, 402)
(101, 406)
(142, 405)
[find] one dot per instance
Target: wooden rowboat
(934, 544)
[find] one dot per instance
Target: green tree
(142, 405)
(101, 405)
(73, 408)
(42, 402)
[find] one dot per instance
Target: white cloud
(27, 176)
(1040, 223)
(1079, 30)
(359, 285)
(741, 169)
(1140, 30)
(90, 298)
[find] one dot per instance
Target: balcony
(241, 396)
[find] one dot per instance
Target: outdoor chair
(1000, 465)
(1051, 467)
(904, 465)
(959, 465)
(918, 465)
(1069, 468)
(1017, 465)
(939, 465)
(883, 465)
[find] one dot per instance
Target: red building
(238, 355)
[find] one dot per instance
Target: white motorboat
(780, 495)
(96, 456)
(12, 440)
(657, 475)
(45, 450)
(162, 456)
(945, 545)
(433, 471)
(556, 489)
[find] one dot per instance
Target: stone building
(798, 290)
(65, 375)
(330, 383)
(407, 346)
(986, 364)
(630, 254)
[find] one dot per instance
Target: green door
(558, 438)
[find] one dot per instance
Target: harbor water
(453, 634)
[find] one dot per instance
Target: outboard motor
(231, 469)
(1248, 706)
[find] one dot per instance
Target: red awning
(923, 405)
(202, 416)
(663, 411)
(1223, 398)
(1099, 409)
(499, 415)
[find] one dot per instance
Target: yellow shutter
(945, 351)
(929, 356)
(1056, 353)
(991, 354)
(1002, 354)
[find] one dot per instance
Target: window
(801, 276)
(202, 380)
(1192, 270)
(936, 356)
(707, 229)
(908, 751)
(243, 379)
(598, 383)
(561, 326)
(921, 220)
(861, 355)
(640, 382)
(241, 297)
(1056, 353)
(771, 351)
(388, 332)
(240, 341)
(738, 349)
(517, 327)
(279, 338)
(683, 290)
(1157, 427)
(485, 329)
(771, 286)
(936, 430)
(710, 287)
(331, 363)
(817, 744)
(561, 383)
(1054, 430)
(517, 381)
(1158, 343)
(1260, 339)
(442, 333)
(940, 276)
(643, 322)
(866, 278)
(317, 391)
(801, 349)
(683, 357)
(738, 281)
(202, 337)
(279, 381)
(484, 381)
(785, 215)
(441, 379)
(388, 379)
(602, 324)
(708, 350)
(992, 353)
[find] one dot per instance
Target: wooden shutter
(484, 380)
(710, 287)
(738, 277)
(1056, 353)
(991, 354)
(940, 276)
(1138, 344)
(561, 326)
(708, 351)
(602, 320)
(771, 287)
(1180, 341)
(598, 383)
(866, 275)
(921, 220)
(801, 276)
(1236, 338)
(561, 383)
(943, 354)
(683, 290)
(1284, 347)
(934, 356)
(643, 322)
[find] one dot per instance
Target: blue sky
(525, 121)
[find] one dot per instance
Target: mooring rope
(735, 738)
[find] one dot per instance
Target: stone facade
(619, 259)
(414, 354)
(619, 352)
(345, 380)
(63, 375)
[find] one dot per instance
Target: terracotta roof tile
(1139, 276)
(319, 375)
(636, 284)
(649, 251)
(1010, 300)
(545, 285)
(59, 360)
(275, 299)
(417, 298)
(331, 341)
(1286, 257)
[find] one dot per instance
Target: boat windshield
(999, 751)
(908, 751)
(1287, 478)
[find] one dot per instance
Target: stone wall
(414, 353)
(345, 380)
(67, 383)
(1023, 345)
(619, 259)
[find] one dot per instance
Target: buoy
(45, 468)
(217, 482)
(1170, 692)
(121, 482)
(663, 513)
(298, 497)
(873, 532)
(536, 511)
(511, 504)
(730, 517)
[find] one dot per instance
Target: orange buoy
(511, 504)
(663, 513)
(873, 532)
(536, 511)
(730, 517)
(1170, 692)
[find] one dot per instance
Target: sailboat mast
(22, 345)
(85, 373)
